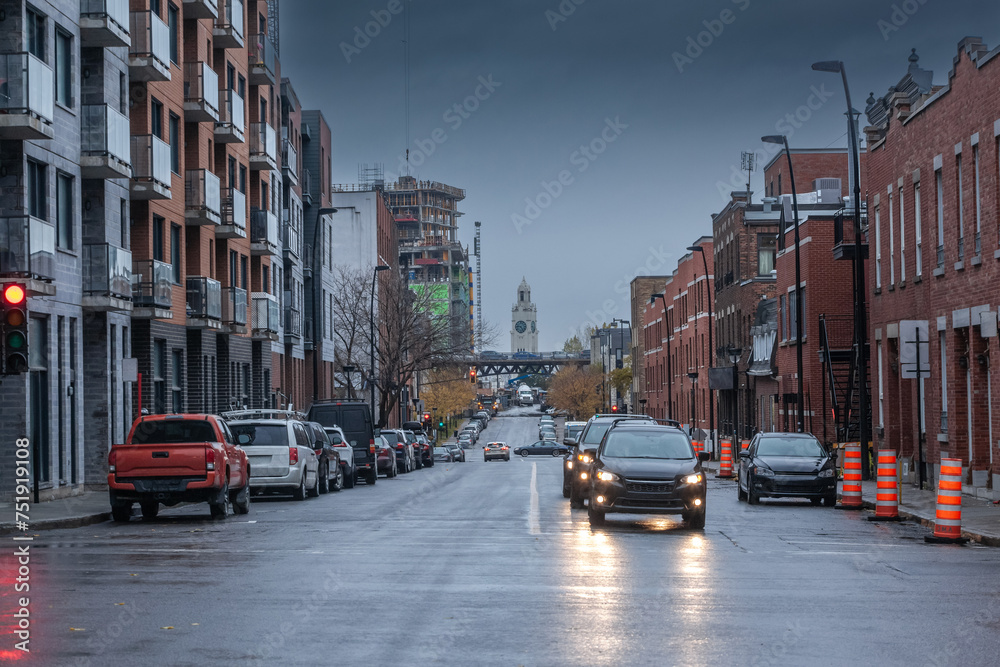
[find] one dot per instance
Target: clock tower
(524, 322)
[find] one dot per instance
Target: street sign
(914, 347)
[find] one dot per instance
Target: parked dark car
(645, 468)
(542, 448)
(443, 454)
(787, 465)
(354, 417)
(457, 452)
(577, 478)
(331, 474)
(386, 455)
(406, 457)
(426, 449)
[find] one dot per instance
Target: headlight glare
(692, 479)
(606, 476)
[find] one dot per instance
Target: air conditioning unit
(829, 190)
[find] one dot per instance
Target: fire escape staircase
(838, 354)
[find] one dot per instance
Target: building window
(34, 31)
(767, 248)
(34, 177)
(175, 252)
(917, 231)
(940, 218)
(878, 250)
(175, 144)
(175, 381)
(154, 5)
(123, 215)
(265, 279)
(243, 179)
(902, 238)
(156, 118)
(159, 376)
(64, 68)
(961, 208)
(172, 15)
(881, 387)
(892, 244)
(979, 207)
(243, 271)
(943, 345)
(64, 211)
(158, 238)
(783, 317)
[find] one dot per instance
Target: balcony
(104, 23)
(27, 248)
(150, 167)
(290, 162)
(149, 54)
(307, 197)
(151, 289)
(228, 30)
(107, 278)
(266, 317)
(201, 93)
(202, 198)
(263, 232)
(262, 60)
(293, 326)
(263, 147)
(27, 97)
(234, 307)
(201, 9)
(234, 215)
(105, 151)
(232, 120)
(291, 239)
(843, 239)
(204, 303)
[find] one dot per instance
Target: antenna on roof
(749, 165)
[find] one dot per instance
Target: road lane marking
(534, 528)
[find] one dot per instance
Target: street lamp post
(711, 347)
(317, 289)
(734, 357)
(350, 384)
(371, 313)
(799, 301)
(670, 377)
(693, 376)
(860, 315)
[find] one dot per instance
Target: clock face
(521, 327)
(532, 327)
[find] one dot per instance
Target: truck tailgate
(173, 460)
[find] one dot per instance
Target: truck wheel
(241, 499)
(220, 508)
(371, 476)
(121, 512)
(300, 492)
(349, 480)
(149, 509)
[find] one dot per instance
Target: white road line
(534, 528)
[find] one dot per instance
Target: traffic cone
(887, 495)
(726, 460)
(699, 447)
(745, 445)
(850, 494)
(948, 522)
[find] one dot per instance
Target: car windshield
(173, 431)
(805, 447)
(262, 435)
(648, 445)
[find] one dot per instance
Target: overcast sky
(537, 81)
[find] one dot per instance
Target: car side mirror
(377, 433)
(243, 438)
(744, 454)
(569, 441)
(704, 456)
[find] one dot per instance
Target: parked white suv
(346, 453)
(278, 447)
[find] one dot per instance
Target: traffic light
(440, 424)
(427, 420)
(472, 375)
(614, 408)
(14, 329)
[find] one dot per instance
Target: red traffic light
(13, 295)
(614, 408)
(427, 416)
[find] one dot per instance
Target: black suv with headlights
(643, 468)
(787, 465)
(576, 469)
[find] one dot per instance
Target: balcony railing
(27, 248)
(228, 29)
(107, 271)
(204, 298)
(104, 22)
(266, 313)
(263, 232)
(263, 147)
(26, 97)
(290, 160)
(307, 197)
(105, 148)
(234, 211)
(230, 127)
(203, 197)
(291, 239)
(151, 280)
(293, 323)
(262, 59)
(151, 166)
(149, 54)
(201, 92)
(201, 9)
(234, 306)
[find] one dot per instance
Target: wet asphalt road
(485, 564)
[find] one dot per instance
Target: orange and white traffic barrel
(948, 521)
(850, 493)
(726, 459)
(887, 494)
(699, 447)
(745, 445)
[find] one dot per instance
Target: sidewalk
(82, 510)
(980, 518)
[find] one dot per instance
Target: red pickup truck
(171, 459)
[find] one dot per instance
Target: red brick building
(676, 346)
(934, 196)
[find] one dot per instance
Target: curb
(56, 524)
(985, 540)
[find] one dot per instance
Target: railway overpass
(521, 363)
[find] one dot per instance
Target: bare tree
(351, 300)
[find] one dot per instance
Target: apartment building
(934, 184)
(641, 288)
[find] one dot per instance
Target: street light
(670, 377)
(694, 413)
(711, 348)
(860, 324)
(371, 313)
(316, 275)
(783, 140)
(734, 357)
